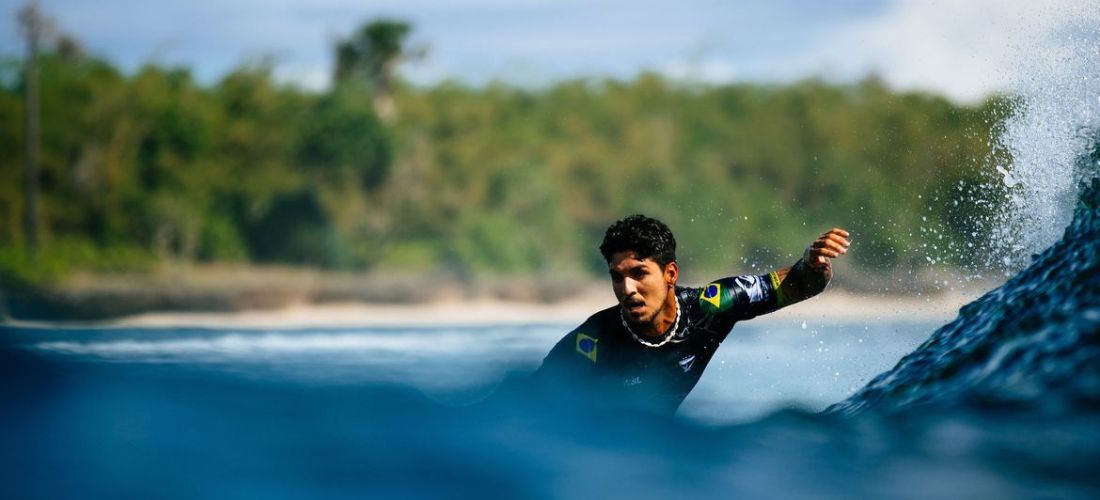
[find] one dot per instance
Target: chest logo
(685, 364)
(587, 346)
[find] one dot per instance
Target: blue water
(389, 412)
(765, 364)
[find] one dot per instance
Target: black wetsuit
(602, 361)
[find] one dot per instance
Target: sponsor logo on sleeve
(685, 364)
(752, 286)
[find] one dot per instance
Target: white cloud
(304, 75)
(712, 71)
(964, 48)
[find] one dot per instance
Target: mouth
(634, 308)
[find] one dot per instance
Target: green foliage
(369, 56)
(478, 180)
(60, 258)
(742, 173)
(345, 142)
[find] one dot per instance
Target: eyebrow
(631, 269)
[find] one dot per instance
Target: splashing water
(1053, 125)
(1033, 342)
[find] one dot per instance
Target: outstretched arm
(810, 275)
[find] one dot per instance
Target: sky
(964, 49)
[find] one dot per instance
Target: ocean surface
(394, 412)
(295, 413)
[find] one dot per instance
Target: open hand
(831, 244)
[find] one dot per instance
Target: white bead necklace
(668, 335)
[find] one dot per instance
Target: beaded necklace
(668, 335)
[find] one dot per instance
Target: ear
(672, 273)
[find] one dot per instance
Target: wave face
(1032, 342)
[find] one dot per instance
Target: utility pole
(33, 27)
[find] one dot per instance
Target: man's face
(640, 285)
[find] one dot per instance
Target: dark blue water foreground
(1003, 402)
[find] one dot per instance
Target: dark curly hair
(647, 237)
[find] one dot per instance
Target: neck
(665, 318)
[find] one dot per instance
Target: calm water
(763, 365)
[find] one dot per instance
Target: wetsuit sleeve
(739, 297)
(554, 382)
(574, 355)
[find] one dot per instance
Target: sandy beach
(834, 305)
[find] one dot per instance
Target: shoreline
(832, 306)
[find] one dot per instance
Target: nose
(630, 287)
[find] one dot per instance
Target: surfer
(650, 349)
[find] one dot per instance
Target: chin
(631, 318)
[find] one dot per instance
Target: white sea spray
(1053, 123)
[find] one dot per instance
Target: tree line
(377, 174)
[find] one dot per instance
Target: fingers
(836, 245)
(834, 241)
(831, 244)
(826, 252)
(838, 235)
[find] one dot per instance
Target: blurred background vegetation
(376, 175)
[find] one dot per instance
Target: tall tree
(34, 25)
(371, 55)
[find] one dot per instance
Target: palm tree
(370, 56)
(35, 27)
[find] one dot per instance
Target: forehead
(627, 260)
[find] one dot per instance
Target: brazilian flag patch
(715, 298)
(587, 346)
